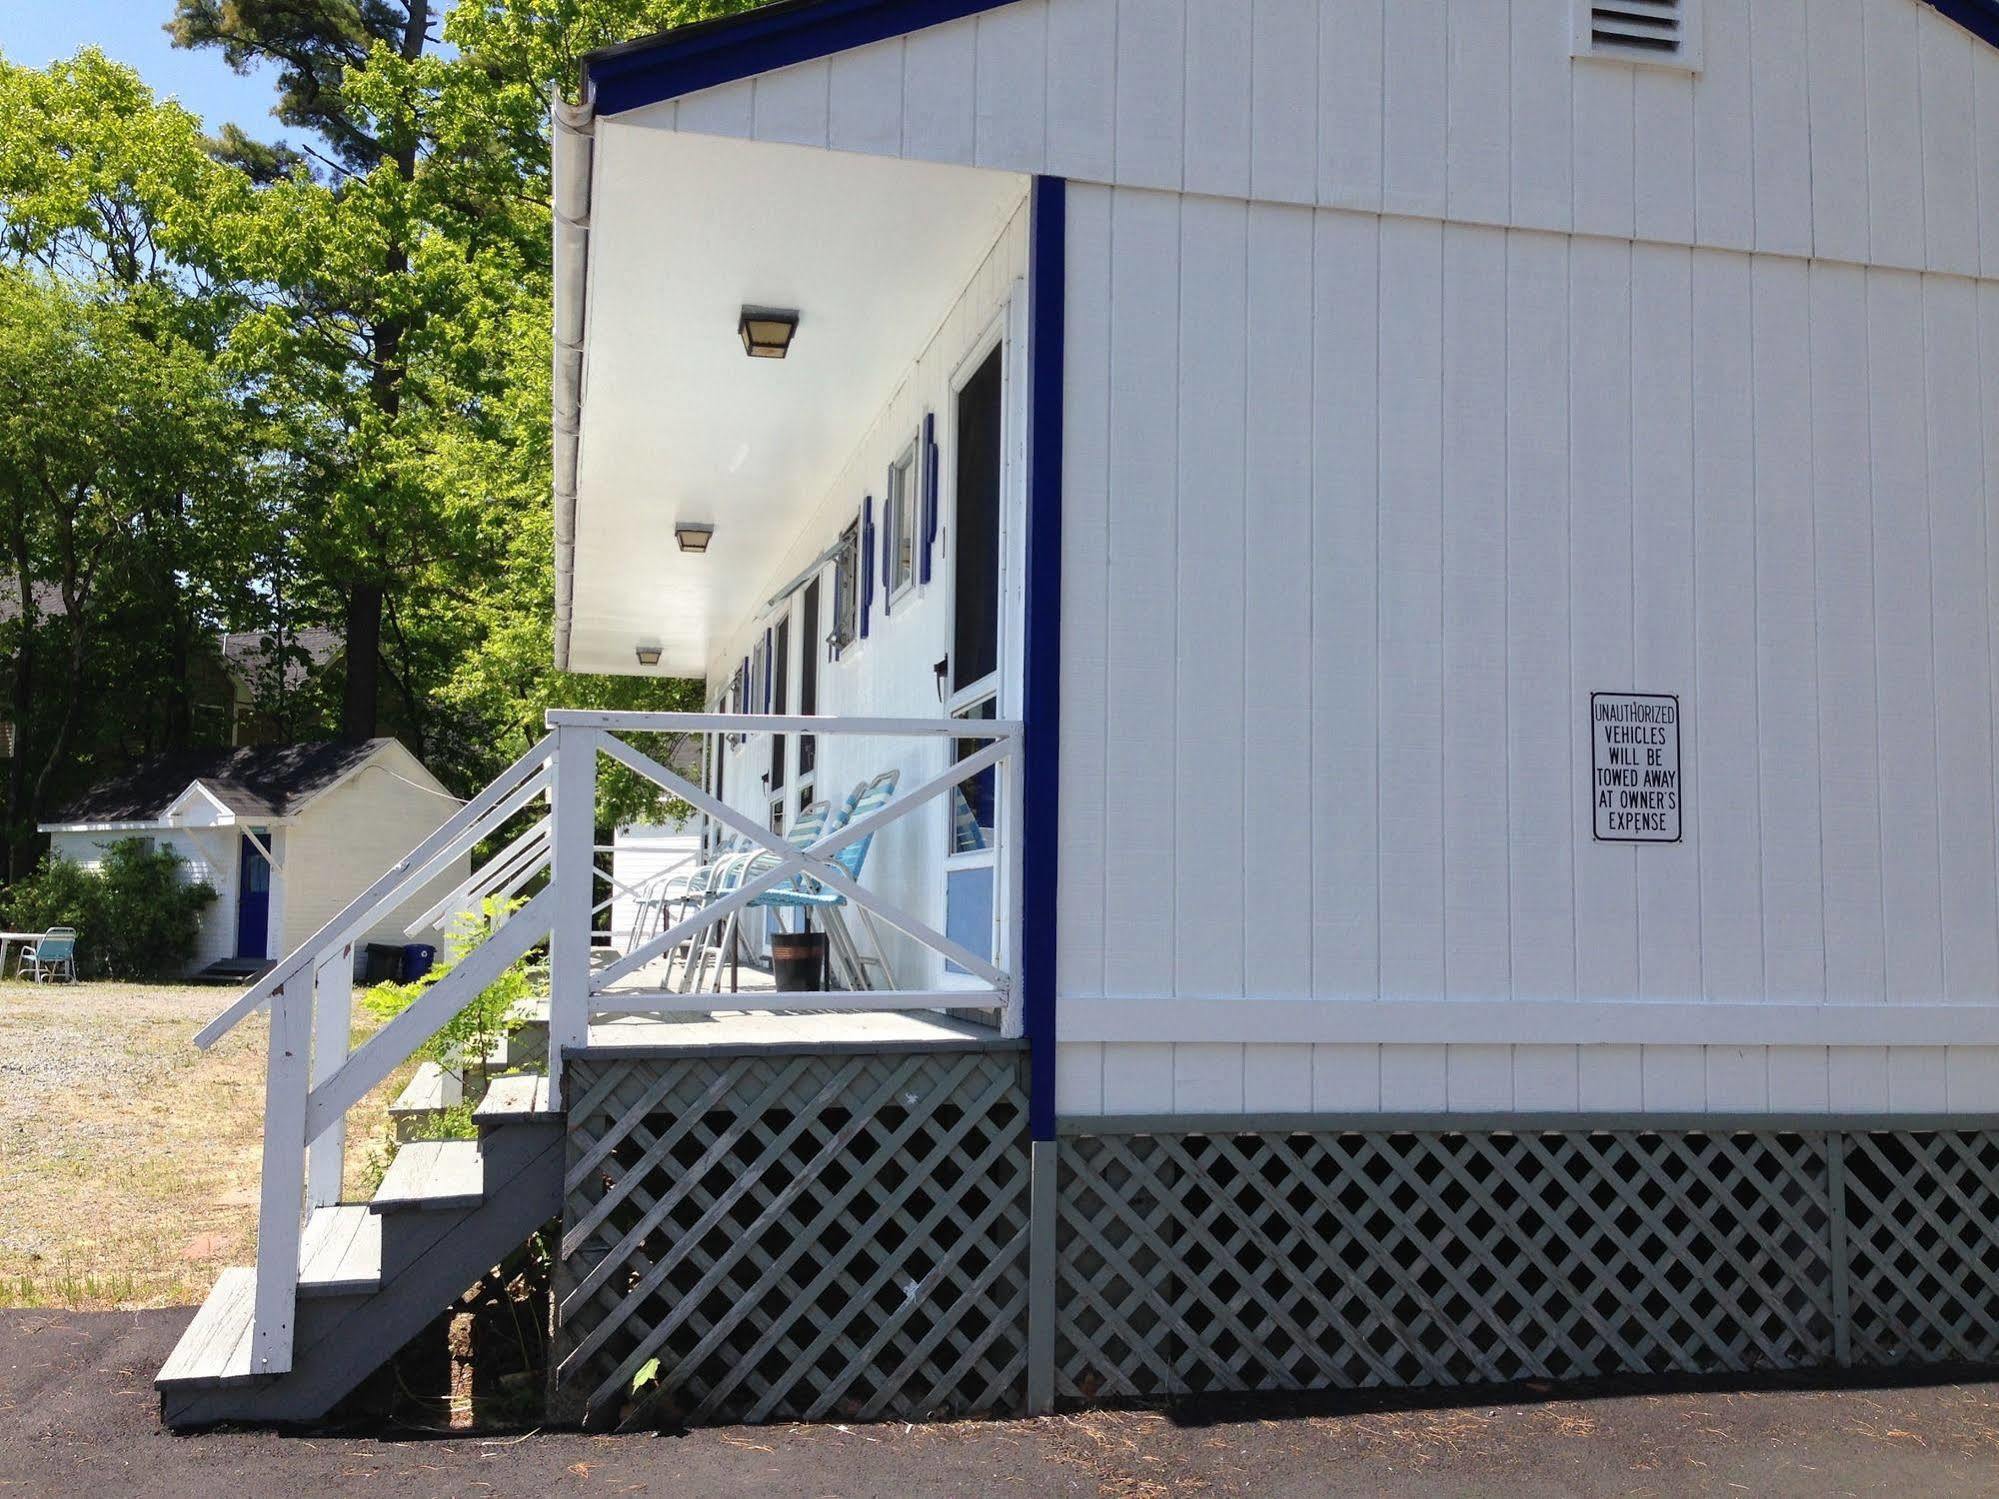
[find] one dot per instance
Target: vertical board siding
(1600, 585)
(1207, 893)
(1865, 131)
(1344, 810)
(1370, 577)
(1786, 633)
(1477, 956)
(1961, 644)
(1278, 533)
(1662, 550)
(1409, 679)
(1141, 766)
(1912, 899)
(1086, 344)
(1218, 100)
(1849, 728)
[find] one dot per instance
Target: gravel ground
(77, 1416)
(129, 1160)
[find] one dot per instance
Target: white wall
(890, 674)
(1518, 378)
(212, 855)
(1337, 750)
(643, 859)
(1857, 130)
(347, 838)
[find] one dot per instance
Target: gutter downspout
(573, 140)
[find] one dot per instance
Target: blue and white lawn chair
(807, 895)
(53, 956)
(726, 876)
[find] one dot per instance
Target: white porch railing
(314, 1076)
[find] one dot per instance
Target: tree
(102, 430)
(125, 511)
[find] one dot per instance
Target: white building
(1471, 525)
(285, 834)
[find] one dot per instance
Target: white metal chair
(53, 956)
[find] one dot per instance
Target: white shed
(286, 834)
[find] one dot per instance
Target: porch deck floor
(736, 1030)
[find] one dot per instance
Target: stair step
(430, 1091)
(341, 1252)
(432, 1175)
(215, 1349)
(521, 1098)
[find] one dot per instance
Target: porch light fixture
(648, 655)
(767, 331)
(693, 535)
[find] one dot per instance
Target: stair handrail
(512, 789)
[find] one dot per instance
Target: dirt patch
(129, 1161)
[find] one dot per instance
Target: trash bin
(798, 961)
(418, 959)
(381, 964)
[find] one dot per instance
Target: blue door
(253, 904)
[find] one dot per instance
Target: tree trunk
(358, 717)
(22, 703)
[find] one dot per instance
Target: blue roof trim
(687, 58)
(1979, 17)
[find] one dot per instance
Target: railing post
(332, 1034)
(573, 879)
(281, 1203)
(1012, 819)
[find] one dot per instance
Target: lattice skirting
(795, 1236)
(871, 1235)
(1288, 1259)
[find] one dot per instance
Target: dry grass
(129, 1160)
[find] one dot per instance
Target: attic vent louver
(1662, 32)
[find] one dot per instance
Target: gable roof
(259, 780)
(723, 49)
(251, 654)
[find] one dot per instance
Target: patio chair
(806, 895)
(726, 876)
(53, 955)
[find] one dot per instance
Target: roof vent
(1662, 32)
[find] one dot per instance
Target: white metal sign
(1635, 781)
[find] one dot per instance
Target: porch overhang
(661, 420)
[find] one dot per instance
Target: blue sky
(37, 31)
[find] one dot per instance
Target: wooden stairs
(370, 1274)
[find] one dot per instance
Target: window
(1663, 32)
(846, 590)
(899, 522)
(779, 665)
(975, 541)
(808, 676)
(974, 800)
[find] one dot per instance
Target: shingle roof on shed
(262, 780)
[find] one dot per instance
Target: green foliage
(254, 385)
(135, 915)
(471, 1033)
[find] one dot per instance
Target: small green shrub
(134, 914)
(469, 1034)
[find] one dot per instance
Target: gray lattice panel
(1921, 1228)
(797, 1236)
(1261, 1261)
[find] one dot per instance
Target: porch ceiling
(679, 424)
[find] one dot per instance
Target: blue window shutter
(888, 544)
(770, 671)
(929, 494)
(867, 562)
